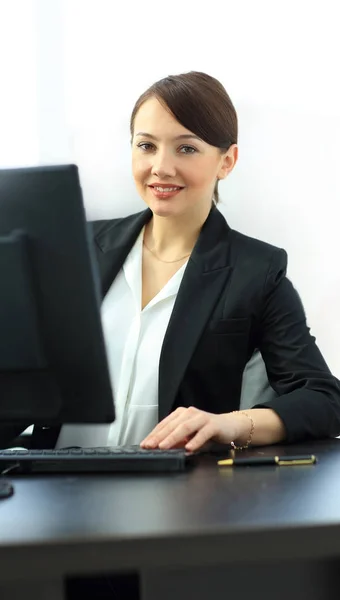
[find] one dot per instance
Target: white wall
(278, 61)
(18, 79)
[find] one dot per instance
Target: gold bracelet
(252, 427)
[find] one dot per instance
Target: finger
(202, 436)
(168, 419)
(184, 430)
(166, 425)
(167, 430)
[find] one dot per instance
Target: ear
(228, 161)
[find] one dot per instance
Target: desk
(252, 532)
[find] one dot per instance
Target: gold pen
(281, 461)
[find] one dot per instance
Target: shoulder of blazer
(104, 230)
(252, 251)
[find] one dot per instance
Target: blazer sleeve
(308, 400)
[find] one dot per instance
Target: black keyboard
(93, 460)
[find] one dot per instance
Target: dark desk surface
(204, 516)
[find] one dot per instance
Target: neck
(175, 235)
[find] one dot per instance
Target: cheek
(140, 169)
(200, 175)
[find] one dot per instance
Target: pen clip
(297, 461)
(227, 462)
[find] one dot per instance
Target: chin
(164, 209)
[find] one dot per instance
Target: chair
(255, 385)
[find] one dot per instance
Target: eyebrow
(185, 136)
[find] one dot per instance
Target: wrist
(244, 430)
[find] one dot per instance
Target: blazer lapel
(205, 278)
(113, 246)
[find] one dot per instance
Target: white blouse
(133, 339)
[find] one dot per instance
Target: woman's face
(174, 171)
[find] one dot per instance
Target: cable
(10, 469)
(6, 487)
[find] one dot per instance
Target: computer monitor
(53, 366)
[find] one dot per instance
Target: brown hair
(201, 104)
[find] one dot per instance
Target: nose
(163, 165)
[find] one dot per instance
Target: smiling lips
(165, 191)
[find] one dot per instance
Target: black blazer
(234, 298)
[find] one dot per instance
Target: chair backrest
(255, 385)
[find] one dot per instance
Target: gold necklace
(165, 261)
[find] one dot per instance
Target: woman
(188, 300)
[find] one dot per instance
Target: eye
(187, 150)
(145, 146)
